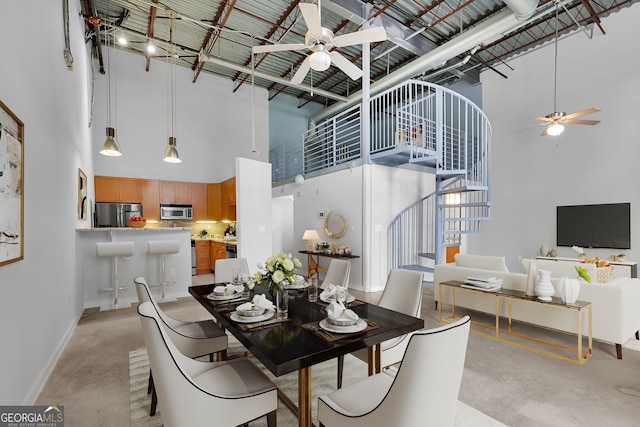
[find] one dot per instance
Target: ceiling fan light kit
(320, 60)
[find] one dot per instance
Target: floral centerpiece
(277, 271)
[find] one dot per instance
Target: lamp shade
(310, 235)
(171, 155)
(320, 60)
(110, 146)
(555, 129)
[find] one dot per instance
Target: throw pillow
(495, 263)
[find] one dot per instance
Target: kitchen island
(97, 274)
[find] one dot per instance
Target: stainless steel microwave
(176, 212)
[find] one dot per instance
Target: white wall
(392, 189)
(214, 125)
(531, 174)
(41, 297)
(39, 300)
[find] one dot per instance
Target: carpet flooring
(324, 382)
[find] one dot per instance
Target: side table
(313, 265)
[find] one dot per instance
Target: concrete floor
(515, 386)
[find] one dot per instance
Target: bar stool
(164, 248)
(115, 250)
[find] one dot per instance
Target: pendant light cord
(555, 70)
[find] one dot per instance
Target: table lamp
(311, 236)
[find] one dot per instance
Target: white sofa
(615, 304)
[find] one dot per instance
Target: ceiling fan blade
(302, 71)
(528, 127)
(311, 17)
(581, 122)
(345, 65)
(545, 132)
(375, 34)
(544, 119)
(582, 113)
(277, 47)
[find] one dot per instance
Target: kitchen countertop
(134, 229)
(216, 239)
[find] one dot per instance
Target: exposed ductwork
(490, 30)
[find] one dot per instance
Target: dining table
(299, 342)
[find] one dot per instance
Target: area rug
(324, 382)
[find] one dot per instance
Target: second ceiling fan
(555, 121)
(320, 41)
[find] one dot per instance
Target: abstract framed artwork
(11, 187)
(82, 195)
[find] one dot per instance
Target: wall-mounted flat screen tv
(594, 226)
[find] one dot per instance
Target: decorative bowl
(253, 312)
(137, 224)
(341, 321)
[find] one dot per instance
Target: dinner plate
(252, 319)
(302, 285)
(214, 297)
(350, 298)
(360, 326)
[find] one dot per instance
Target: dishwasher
(232, 250)
(193, 257)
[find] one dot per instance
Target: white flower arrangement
(277, 269)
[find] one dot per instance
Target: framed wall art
(11, 187)
(82, 195)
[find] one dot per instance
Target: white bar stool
(164, 248)
(115, 250)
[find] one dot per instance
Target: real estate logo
(32, 416)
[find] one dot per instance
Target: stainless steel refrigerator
(115, 214)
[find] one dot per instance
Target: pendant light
(110, 146)
(171, 153)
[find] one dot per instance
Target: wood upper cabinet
(117, 189)
(176, 192)
(228, 199)
(199, 198)
(213, 199)
(151, 198)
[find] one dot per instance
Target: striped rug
(324, 382)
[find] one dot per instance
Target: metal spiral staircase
(418, 123)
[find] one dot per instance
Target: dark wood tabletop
(287, 347)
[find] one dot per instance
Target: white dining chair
(194, 393)
(402, 293)
(423, 391)
(337, 273)
(224, 268)
(191, 338)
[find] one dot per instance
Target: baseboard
(47, 368)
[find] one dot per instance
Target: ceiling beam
(210, 40)
(151, 27)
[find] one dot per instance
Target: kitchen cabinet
(203, 257)
(176, 192)
(199, 201)
(228, 199)
(213, 201)
(117, 189)
(218, 251)
(150, 198)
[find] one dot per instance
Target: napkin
(259, 301)
(222, 289)
(337, 310)
(328, 292)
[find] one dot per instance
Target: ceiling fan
(320, 40)
(555, 121)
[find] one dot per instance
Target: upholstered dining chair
(194, 393)
(402, 293)
(423, 391)
(224, 268)
(191, 338)
(337, 273)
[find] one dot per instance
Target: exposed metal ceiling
(227, 29)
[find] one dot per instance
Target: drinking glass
(313, 289)
(341, 294)
(282, 304)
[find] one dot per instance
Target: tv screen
(594, 226)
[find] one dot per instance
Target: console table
(509, 295)
(313, 265)
(620, 268)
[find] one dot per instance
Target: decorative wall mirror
(335, 225)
